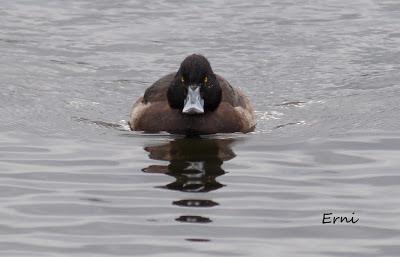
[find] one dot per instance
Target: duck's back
(158, 91)
(152, 113)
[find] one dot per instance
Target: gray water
(323, 77)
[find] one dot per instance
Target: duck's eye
(182, 80)
(205, 79)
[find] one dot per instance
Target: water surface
(322, 76)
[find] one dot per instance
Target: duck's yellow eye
(205, 79)
(182, 80)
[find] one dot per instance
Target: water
(323, 78)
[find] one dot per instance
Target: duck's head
(195, 88)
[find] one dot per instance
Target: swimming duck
(193, 101)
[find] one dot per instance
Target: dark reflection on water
(195, 163)
(195, 203)
(193, 219)
(197, 240)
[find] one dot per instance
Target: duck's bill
(194, 104)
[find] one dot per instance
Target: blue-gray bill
(194, 104)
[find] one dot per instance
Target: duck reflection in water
(195, 163)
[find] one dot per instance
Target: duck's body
(158, 109)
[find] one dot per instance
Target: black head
(195, 83)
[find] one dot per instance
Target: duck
(193, 101)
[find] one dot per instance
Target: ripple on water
(74, 182)
(214, 186)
